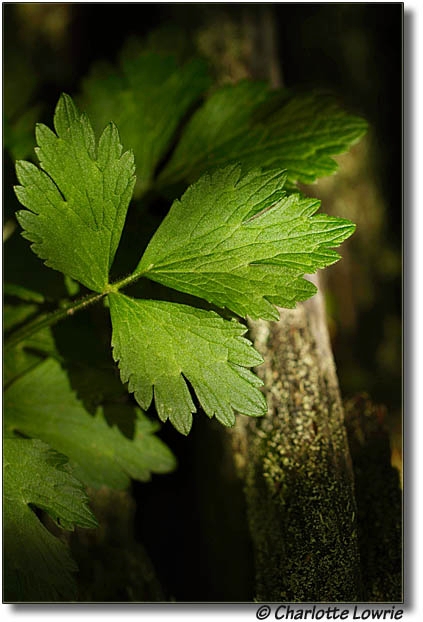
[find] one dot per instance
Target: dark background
(355, 50)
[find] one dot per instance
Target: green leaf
(41, 404)
(248, 123)
(21, 357)
(147, 97)
(37, 565)
(77, 204)
(162, 346)
(240, 242)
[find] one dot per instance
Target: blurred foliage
(361, 295)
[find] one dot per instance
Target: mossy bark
(297, 468)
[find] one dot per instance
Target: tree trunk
(297, 469)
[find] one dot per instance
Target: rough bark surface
(297, 468)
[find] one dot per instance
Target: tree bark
(297, 469)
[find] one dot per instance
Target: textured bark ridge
(297, 470)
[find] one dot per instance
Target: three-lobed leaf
(162, 346)
(235, 239)
(77, 200)
(38, 566)
(239, 241)
(42, 404)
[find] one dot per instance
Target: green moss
(298, 480)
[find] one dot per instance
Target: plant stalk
(67, 310)
(50, 319)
